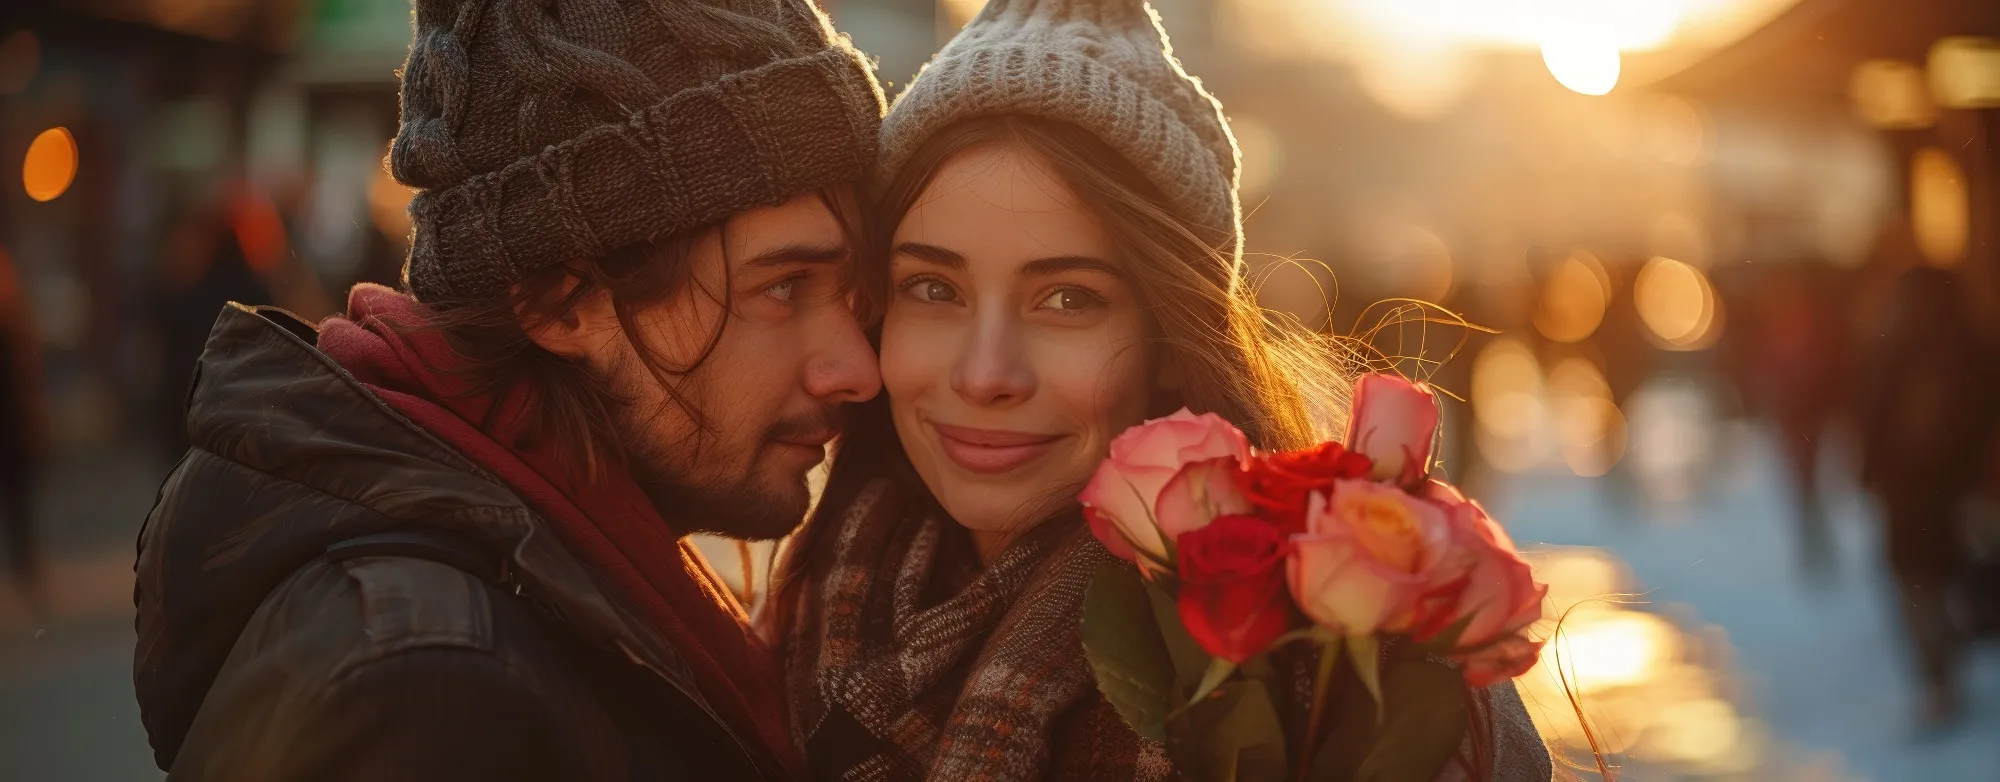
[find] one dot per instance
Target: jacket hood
(290, 454)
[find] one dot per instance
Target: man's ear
(582, 332)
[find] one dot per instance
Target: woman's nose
(990, 369)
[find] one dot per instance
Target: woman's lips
(990, 450)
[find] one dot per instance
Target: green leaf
(1190, 661)
(1350, 726)
(1365, 651)
(1234, 735)
(1447, 640)
(1128, 657)
(1424, 724)
(1218, 669)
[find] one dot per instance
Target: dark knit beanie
(1103, 65)
(541, 132)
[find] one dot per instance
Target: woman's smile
(991, 451)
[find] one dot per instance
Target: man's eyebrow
(930, 253)
(1043, 267)
(798, 253)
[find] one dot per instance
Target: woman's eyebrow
(930, 253)
(1043, 267)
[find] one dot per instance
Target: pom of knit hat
(1103, 65)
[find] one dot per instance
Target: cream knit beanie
(1103, 65)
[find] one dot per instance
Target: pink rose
(1370, 552)
(1197, 494)
(1484, 579)
(1121, 497)
(1506, 659)
(1393, 425)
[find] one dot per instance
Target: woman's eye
(783, 290)
(933, 291)
(1069, 300)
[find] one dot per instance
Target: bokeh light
(1676, 130)
(389, 204)
(1965, 72)
(1940, 214)
(1507, 403)
(1583, 63)
(1590, 428)
(1602, 649)
(1574, 299)
(1676, 303)
(1650, 688)
(1891, 94)
(20, 57)
(50, 165)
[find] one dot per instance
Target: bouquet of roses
(1406, 589)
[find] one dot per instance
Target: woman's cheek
(1104, 380)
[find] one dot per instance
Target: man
(441, 538)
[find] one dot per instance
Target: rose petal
(1197, 494)
(1393, 424)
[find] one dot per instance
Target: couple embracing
(666, 253)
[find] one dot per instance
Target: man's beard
(745, 507)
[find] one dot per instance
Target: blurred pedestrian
(1928, 431)
(22, 430)
(207, 263)
(1793, 371)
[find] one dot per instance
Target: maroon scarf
(612, 526)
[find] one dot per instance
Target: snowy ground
(1821, 666)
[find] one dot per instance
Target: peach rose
(1486, 583)
(1370, 552)
(1393, 424)
(1503, 660)
(1121, 497)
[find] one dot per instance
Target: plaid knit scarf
(898, 673)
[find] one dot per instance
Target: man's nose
(845, 368)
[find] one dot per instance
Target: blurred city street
(1731, 267)
(1817, 669)
(66, 706)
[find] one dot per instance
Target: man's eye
(783, 290)
(932, 291)
(1070, 300)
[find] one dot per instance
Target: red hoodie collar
(612, 525)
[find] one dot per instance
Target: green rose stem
(1329, 653)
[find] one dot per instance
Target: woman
(1062, 261)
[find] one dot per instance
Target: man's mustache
(820, 425)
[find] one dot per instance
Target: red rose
(1280, 484)
(1233, 598)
